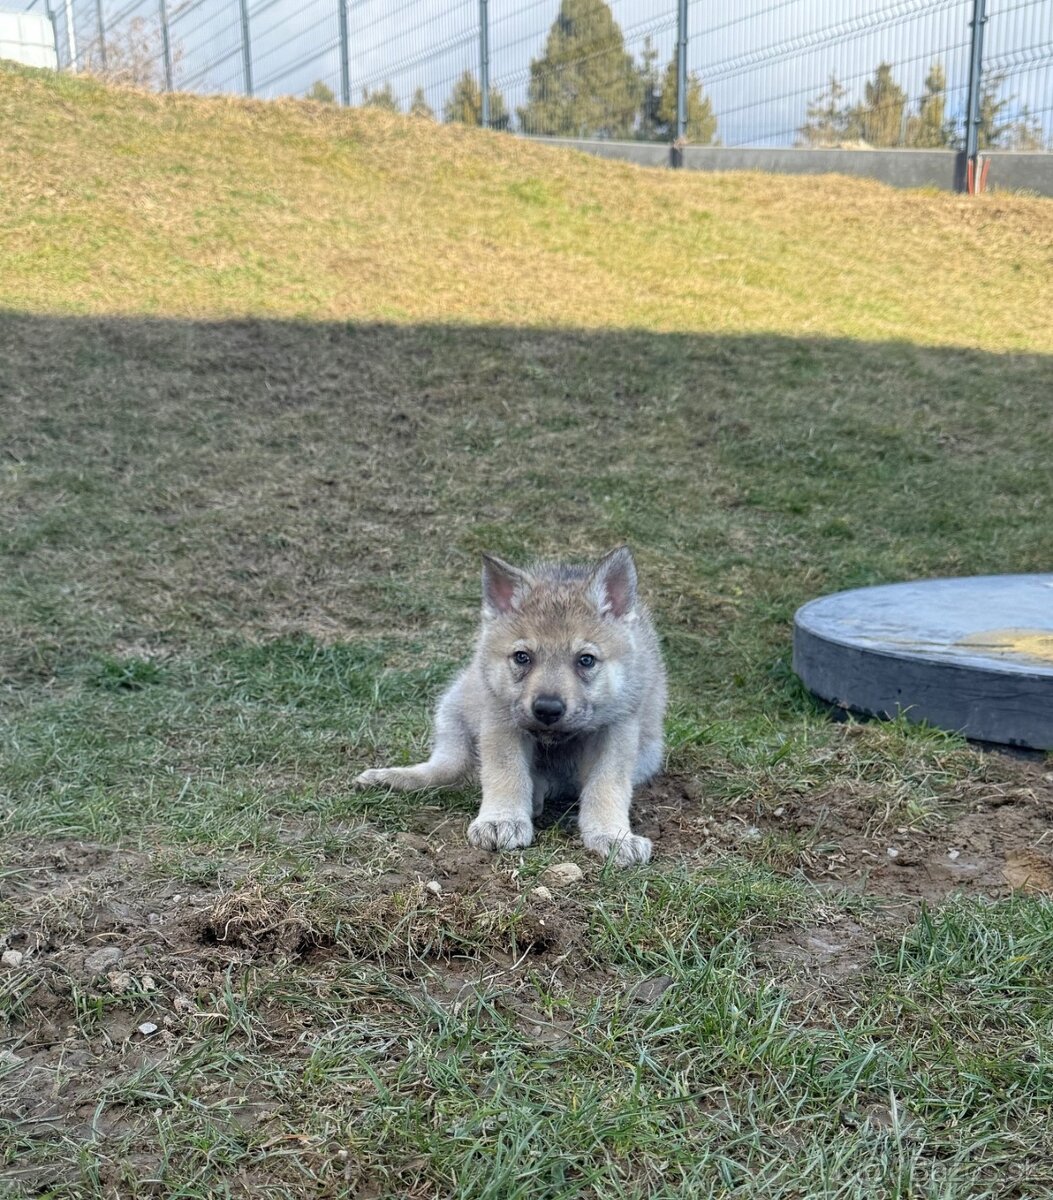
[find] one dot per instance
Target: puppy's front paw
(511, 833)
(392, 777)
(624, 849)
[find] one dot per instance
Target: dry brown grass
(120, 202)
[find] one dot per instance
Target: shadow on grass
(184, 480)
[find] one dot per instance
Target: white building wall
(28, 38)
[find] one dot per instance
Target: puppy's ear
(613, 583)
(504, 586)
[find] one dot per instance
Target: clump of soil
(416, 923)
(264, 920)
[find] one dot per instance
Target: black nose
(549, 709)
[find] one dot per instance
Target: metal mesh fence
(398, 48)
(758, 72)
(1018, 52)
(821, 57)
(206, 46)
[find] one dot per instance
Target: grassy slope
(242, 561)
(181, 206)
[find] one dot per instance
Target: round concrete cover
(973, 655)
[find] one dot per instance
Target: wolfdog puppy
(563, 699)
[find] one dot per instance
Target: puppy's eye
(521, 658)
(586, 660)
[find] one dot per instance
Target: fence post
(484, 63)
(969, 164)
(676, 153)
(166, 44)
(246, 46)
(49, 12)
(102, 33)
(71, 36)
(345, 56)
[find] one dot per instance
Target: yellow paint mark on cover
(1032, 645)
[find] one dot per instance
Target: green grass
(271, 376)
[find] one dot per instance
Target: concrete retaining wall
(28, 38)
(1010, 170)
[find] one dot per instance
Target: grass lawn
(271, 376)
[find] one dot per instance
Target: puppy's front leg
(605, 801)
(504, 820)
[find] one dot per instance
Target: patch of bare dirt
(103, 946)
(120, 969)
(830, 954)
(992, 837)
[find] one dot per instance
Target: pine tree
(584, 84)
(465, 105)
(381, 98)
(650, 127)
(1026, 132)
(930, 129)
(830, 119)
(993, 131)
(701, 121)
(321, 92)
(419, 106)
(880, 116)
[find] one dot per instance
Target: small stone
(779, 811)
(892, 852)
(153, 918)
(901, 829)
(433, 886)
(647, 991)
(542, 893)
(147, 1028)
(100, 960)
(563, 873)
(953, 854)
(11, 958)
(149, 984)
(119, 981)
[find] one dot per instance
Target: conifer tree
(584, 84)
(880, 118)
(465, 105)
(419, 106)
(829, 117)
(930, 129)
(701, 121)
(380, 98)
